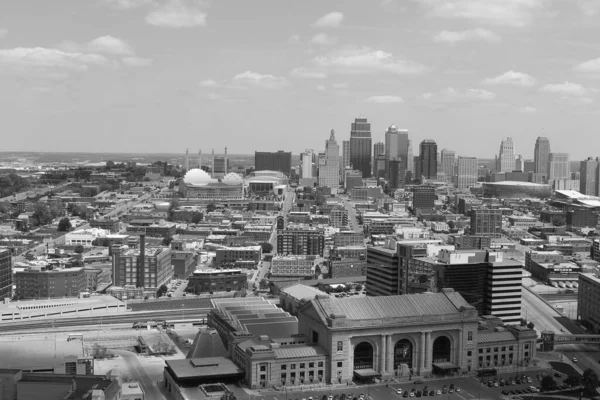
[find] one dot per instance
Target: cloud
(127, 4)
(294, 39)
(110, 45)
(137, 61)
(3, 32)
(453, 37)
(321, 87)
(589, 7)
(452, 95)
(177, 14)
(302, 72)
(528, 110)
(368, 61)
(590, 66)
(209, 83)
(511, 78)
(323, 39)
(342, 85)
(566, 88)
(42, 59)
(384, 99)
(261, 80)
(515, 13)
(331, 20)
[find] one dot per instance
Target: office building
(248, 256)
(396, 145)
(273, 161)
(142, 268)
(5, 274)
(329, 168)
(38, 282)
(410, 159)
(397, 173)
(360, 146)
(503, 289)
(423, 197)
(378, 151)
(588, 300)
(506, 157)
(220, 165)
(345, 154)
(588, 175)
(383, 277)
(447, 161)
(519, 164)
(302, 242)
(306, 164)
(293, 266)
(541, 155)
(466, 172)
(486, 222)
(558, 166)
(427, 161)
(217, 280)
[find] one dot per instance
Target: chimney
(141, 261)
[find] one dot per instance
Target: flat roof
(36, 354)
(198, 368)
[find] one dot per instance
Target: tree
(78, 249)
(167, 240)
(548, 383)
(41, 214)
(451, 224)
(531, 325)
(359, 288)
(162, 290)
(572, 380)
(79, 211)
(211, 207)
(263, 284)
(590, 379)
(266, 247)
(523, 322)
(196, 218)
(64, 225)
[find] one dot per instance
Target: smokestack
(225, 159)
(141, 262)
(212, 172)
(187, 160)
(200, 159)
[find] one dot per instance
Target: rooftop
(208, 368)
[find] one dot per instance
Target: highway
(83, 319)
(541, 314)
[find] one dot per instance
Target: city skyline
(134, 73)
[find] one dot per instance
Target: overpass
(550, 339)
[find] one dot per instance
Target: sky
(166, 75)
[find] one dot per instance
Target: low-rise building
(347, 267)
(217, 280)
(48, 281)
(299, 266)
(111, 225)
(234, 255)
(84, 237)
(184, 263)
(588, 300)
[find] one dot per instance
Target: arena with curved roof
(516, 190)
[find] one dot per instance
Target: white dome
(232, 179)
(197, 177)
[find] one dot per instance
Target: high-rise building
(541, 155)
(397, 173)
(143, 267)
(506, 157)
(378, 149)
(559, 166)
(447, 158)
(329, 169)
(5, 274)
(587, 180)
(427, 165)
(302, 242)
(519, 164)
(396, 145)
(467, 172)
(360, 146)
(486, 222)
(423, 197)
(503, 289)
(220, 165)
(410, 159)
(273, 161)
(345, 154)
(306, 164)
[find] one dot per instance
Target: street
(544, 317)
(137, 372)
(352, 216)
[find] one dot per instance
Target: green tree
(78, 249)
(590, 379)
(79, 211)
(263, 284)
(172, 207)
(162, 290)
(41, 214)
(196, 218)
(167, 240)
(531, 325)
(359, 288)
(266, 247)
(548, 383)
(572, 380)
(212, 206)
(64, 225)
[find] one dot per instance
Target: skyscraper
(330, 170)
(519, 163)
(559, 166)
(277, 161)
(360, 146)
(306, 164)
(467, 172)
(506, 157)
(427, 160)
(378, 149)
(396, 145)
(587, 180)
(5, 273)
(410, 159)
(448, 158)
(541, 155)
(345, 154)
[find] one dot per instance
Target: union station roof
(379, 308)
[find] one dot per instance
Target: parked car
(398, 391)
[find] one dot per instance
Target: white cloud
(516, 13)
(137, 61)
(323, 39)
(452, 95)
(177, 14)
(110, 45)
(511, 78)
(127, 4)
(384, 99)
(209, 83)
(342, 85)
(453, 37)
(302, 72)
(3, 32)
(331, 20)
(590, 66)
(566, 88)
(528, 110)
(261, 80)
(213, 96)
(320, 87)
(589, 7)
(41, 58)
(368, 61)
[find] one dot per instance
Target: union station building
(344, 339)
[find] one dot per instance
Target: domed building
(267, 182)
(198, 184)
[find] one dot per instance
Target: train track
(129, 317)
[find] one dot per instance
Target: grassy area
(563, 368)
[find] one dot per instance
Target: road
(588, 356)
(138, 373)
(352, 216)
(541, 314)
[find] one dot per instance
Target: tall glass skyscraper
(361, 146)
(396, 146)
(541, 155)
(448, 159)
(427, 165)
